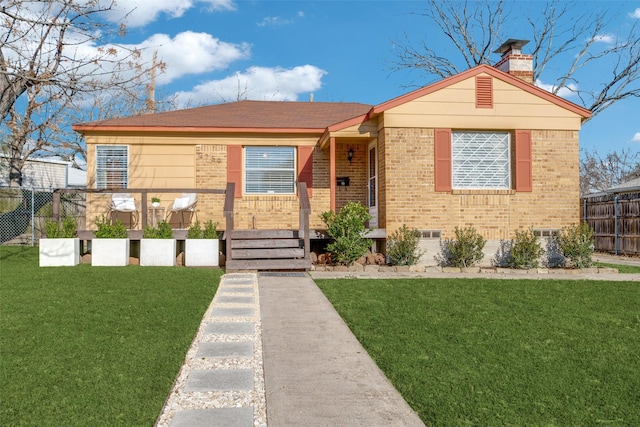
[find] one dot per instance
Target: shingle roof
(243, 115)
(630, 185)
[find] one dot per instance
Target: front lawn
(622, 268)
(91, 346)
(502, 352)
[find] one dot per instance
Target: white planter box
(110, 252)
(158, 252)
(201, 252)
(59, 252)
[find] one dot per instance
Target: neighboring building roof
(627, 186)
(242, 115)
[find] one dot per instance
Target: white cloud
(635, 13)
(274, 21)
(605, 38)
(257, 83)
(279, 21)
(187, 53)
(191, 53)
(565, 92)
(138, 13)
(636, 137)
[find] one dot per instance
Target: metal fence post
(33, 218)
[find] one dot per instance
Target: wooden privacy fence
(615, 219)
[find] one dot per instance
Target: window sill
(487, 191)
(270, 196)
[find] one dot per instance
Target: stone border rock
(358, 268)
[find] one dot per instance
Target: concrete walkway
(280, 334)
(316, 371)
(271, 350)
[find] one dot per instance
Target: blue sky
(338, 50)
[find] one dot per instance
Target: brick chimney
(514, 62)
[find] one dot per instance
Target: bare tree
(51, 58)
(474, 29)
(599, 173)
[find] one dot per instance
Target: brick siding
(409, 197)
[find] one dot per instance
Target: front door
(372, 184)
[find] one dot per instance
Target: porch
(245, 249)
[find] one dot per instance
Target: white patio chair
(123, 202)
(186, 203)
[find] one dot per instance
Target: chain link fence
(24, 212)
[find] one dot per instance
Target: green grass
(92, 346)
(624, 269)
(502, 352)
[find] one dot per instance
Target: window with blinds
(269, 170)
(112, 166)
(481, 160)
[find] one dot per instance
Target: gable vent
(484, 92)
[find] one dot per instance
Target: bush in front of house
(347, 229)
(576, 244)
(208, 232)
(107, 230)
(525, 250)
(463, 251)
(402, 246)
(162, 231)
(65, 230)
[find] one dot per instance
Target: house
(45, 173)
(483, 148)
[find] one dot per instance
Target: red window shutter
(305, 167)
(524, 171)
(484, 92)
(442, 163)
(234, 167)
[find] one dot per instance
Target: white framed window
(112, 166)
(481, 160)
(269, 170)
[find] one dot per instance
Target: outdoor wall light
(350, 155)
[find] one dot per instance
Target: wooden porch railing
(144, 196)
(305, 211)
(228, 214)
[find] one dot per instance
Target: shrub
(463, 251)
(346, 228)
(65, 230)
(576, 244)
(194, 232)
(502, 258)
(107, 230)
(525, 250)
(402, 246)
(163, 231)
(209, 232)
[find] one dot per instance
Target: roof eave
(193, 129)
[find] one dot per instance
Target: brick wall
(356, 171)
(259, 211)
(409, 197)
